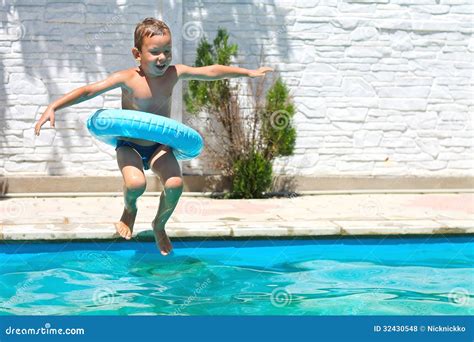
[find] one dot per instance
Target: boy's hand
(259, 72)
(48, 115)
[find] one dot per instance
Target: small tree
(245, 146)
(270, 135)
(279, 136)
(218, 99)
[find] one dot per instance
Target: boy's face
(155, 54)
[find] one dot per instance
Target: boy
(147, 88)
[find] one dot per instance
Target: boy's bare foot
(125, 226)
(162, 239)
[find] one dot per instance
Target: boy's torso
(152, 95)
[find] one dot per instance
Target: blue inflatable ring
(108, 125)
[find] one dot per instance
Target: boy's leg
(164, 164)
(131, 166)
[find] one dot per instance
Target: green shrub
(211, 95)
(252, 176)
(278, 134)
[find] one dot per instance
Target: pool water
(379, 276)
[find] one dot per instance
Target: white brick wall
(51, 47)
(382, 87)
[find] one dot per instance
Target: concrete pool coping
(322, 215)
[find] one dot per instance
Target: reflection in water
(305, 280)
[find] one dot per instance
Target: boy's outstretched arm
(217, 72)
(81, 94)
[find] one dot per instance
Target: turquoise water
(423, 276)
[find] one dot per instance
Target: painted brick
(370, 79)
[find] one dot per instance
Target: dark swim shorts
(144, 151)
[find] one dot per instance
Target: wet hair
(149, 27)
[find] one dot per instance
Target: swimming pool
(370, 276)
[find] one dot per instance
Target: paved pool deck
(78, 218)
